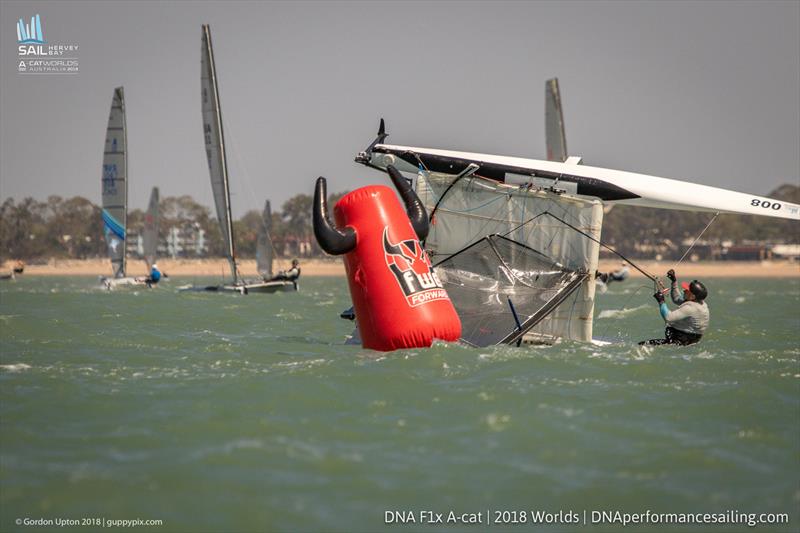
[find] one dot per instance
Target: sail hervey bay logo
(411, 267)
(30, 33)
(37, 56)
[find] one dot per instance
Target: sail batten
(215, 147)
(114, 184)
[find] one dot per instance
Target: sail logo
(110, 178)
(411, 267)
(30, 33)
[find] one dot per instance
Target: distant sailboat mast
(114, 181)
(554, 123)
(150, 234)
(215, 148)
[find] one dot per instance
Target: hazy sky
(706, 92)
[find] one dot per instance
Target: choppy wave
(620, 313)
(162, 399)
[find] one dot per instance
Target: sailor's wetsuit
(153, 278)
(686, 324)
(288, 275)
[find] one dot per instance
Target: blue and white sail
(114, 182)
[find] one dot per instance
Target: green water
(219, 412)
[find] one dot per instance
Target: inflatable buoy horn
(414, 208)
(331, 239)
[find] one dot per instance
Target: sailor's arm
(673, 316)
(662, 305)
(675, 293)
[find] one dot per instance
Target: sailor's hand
(671, 275)
(659, 296)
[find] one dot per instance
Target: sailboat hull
(113, 283)
(272, 286)
(265, 287)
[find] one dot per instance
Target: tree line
(72, 228)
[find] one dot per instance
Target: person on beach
(621, 274)
(689, 321)
(288, 275)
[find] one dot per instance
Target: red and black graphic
(411, 267)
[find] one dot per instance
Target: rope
(696, 239)
(590, 237)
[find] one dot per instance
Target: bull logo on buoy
(411, 267)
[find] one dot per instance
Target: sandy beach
(335, 267)
(174, 267)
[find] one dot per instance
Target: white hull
(609, 185)
(272, 286)
(113, 283)
(265, 287)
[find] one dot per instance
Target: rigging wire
(247, 181)
(590, 237)
(695, 240)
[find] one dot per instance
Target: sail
(264, 244)
(554, 123)
(114, 181)
(501, 289)
(150, 235)
(468, 210)
(215, 147)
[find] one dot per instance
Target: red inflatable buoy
(398, 299)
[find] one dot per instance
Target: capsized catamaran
(218, 169)
(516, 241)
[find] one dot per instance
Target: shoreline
(335, 267)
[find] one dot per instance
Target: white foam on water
(18, 367)
(619, 313)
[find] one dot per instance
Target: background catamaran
(150, 233)
(114, 182)
(218, 169)
(516, 241)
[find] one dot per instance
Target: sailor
(154, 277)
(689, 321)
(288, 275)
(621, 274)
